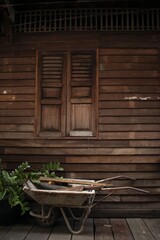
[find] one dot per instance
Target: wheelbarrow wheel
(50, 221)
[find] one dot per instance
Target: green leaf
(11, 183)
(3, 194)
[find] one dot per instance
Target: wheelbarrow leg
(46, 217)
(73, 215)
(85, 215)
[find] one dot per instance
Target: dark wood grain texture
(121, 108)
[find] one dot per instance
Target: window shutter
(52, 93)
(81, 107)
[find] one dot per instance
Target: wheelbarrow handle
(123, 188)
(116, 177)
(89, 183)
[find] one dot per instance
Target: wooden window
(81, 112)
(51, 94)
(67, 94)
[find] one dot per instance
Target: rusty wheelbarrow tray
(80, 196)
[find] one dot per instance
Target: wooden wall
(128, 140)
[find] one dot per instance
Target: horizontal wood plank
(18, 60)
(17, 105)
(101, 175)
(129, 51)
(73, 143)
(129, 104)
(16, 128)
(129, 74)
(16, 98)
(17, 83)
(15, 120)
(129, 120)
(16, 90)
(129, 112)
(16, 53)
(130, 96)
(114, 213)
(128, 66)
(17, 75)
(34, 159)
(129, 205)
(84, 151)
(129, 89)
(129, 128)
(17, 135)
(112, 167)
(113, 159)
(17, 68)
(130, 135)
(16, 113)
(129, 82)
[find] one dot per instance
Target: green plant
(48, 170)
(11, 186)
(11, 183)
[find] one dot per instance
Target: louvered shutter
(52, 94)
(81, 109)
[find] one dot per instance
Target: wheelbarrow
(69, 194)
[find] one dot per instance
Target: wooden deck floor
(94, 229)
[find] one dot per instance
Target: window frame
(66, 94)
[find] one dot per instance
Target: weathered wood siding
(128, 140)
(17, 81)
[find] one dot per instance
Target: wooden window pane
(81, 92)
(51, 92)
(51, 96)
(81, 117)
(50, 118)
(82, 95)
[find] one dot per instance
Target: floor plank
(154, 226)
(139, 230)
(121, 230)
(4, 230)
(103, 229)
(60, 231)
(17, 232)
(87, 233)
(94, 229)
(39, 233)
